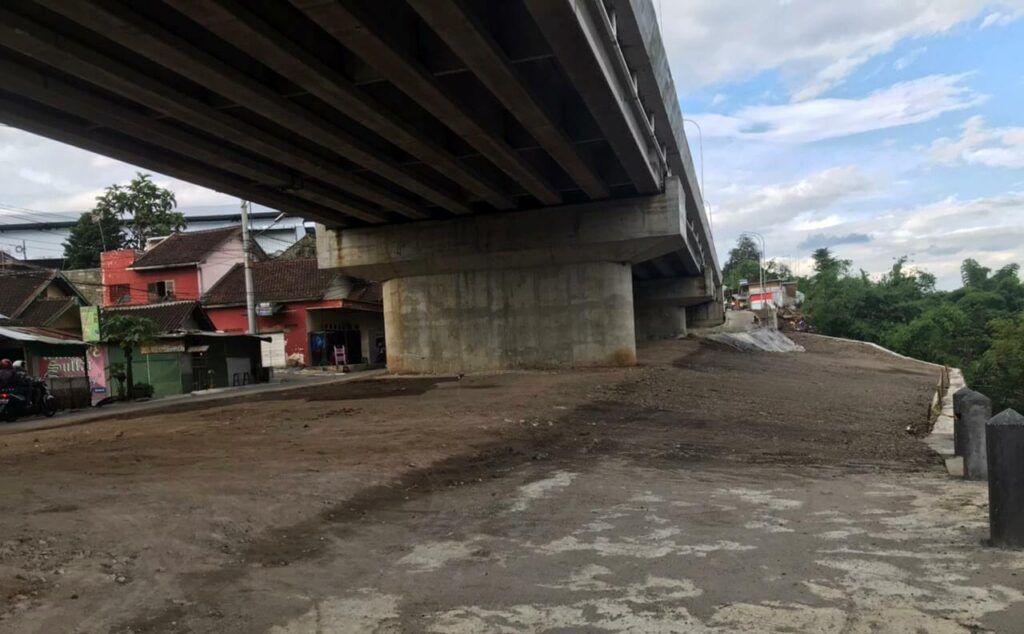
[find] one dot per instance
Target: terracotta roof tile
(44, 310)
(185, 247)
(18, 288)
(285, 281)
(169, 316)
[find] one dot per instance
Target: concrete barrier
(975, 411)
(1005, 448)
(958, 433)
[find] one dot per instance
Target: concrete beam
(677, 291)
(639, 31)
(64, 97)
(117, 22)
(59, 128)
(630, 230)
(236, 24)
(471, 42)
(584, 42)
(57, 51)
(359, 34)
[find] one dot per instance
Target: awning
(38, 335)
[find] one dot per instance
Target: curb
(211, 400)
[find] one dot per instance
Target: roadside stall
(54, 356)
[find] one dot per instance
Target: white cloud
(815, 44)
(43, 175)
(978, 145)
(900, 104)
(804, 202)
(937, 236)
(1000, 18)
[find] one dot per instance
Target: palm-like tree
(129, 332)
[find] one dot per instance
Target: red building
(181, 266)
(307, 312)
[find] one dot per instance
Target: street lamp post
(761, 263)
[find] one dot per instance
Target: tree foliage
(125, 216)
(90, 236)
(744, 263)
(978, 327)
(145, 209)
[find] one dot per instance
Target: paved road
(708, 490)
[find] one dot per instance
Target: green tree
(936, 336)
(129, 332)
(744, 263)
(90, 236)
(145, 209)
(1000, 372)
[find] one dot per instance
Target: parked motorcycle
(17, 401)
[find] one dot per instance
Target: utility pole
(250, 291)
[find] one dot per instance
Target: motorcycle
(17, 401)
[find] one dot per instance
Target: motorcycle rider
(7, 374)
(23, 380)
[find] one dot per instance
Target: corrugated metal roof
(39, 335)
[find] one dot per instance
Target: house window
(120, 294)
(160, 291)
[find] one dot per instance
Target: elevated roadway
(516, 172)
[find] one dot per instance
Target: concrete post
(1005, 444)
(958, 433)
(975, 410)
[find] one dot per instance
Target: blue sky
(877, 128)
(881, 128)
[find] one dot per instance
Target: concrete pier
(532, 289)
(564, 315)
(660, 305)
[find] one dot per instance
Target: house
(40, 298)
(181, 266)
(307, 312)
(777, 293)
(88, 282)
(186, 356)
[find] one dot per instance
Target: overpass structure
(514, 171)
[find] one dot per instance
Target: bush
(143, 390)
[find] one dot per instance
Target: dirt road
(707, 490)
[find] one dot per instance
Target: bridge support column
(709, 313)
(543, 288)
(573, 315)
(660, 305)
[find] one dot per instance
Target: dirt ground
(706, 490)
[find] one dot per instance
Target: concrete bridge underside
(516, 172)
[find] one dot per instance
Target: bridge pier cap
(542, 288)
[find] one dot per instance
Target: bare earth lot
(707, 490)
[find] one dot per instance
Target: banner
(99, 379)
(90, 323)
(61, 367)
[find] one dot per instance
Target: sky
(877, 128)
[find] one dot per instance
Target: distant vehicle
(31, 398)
